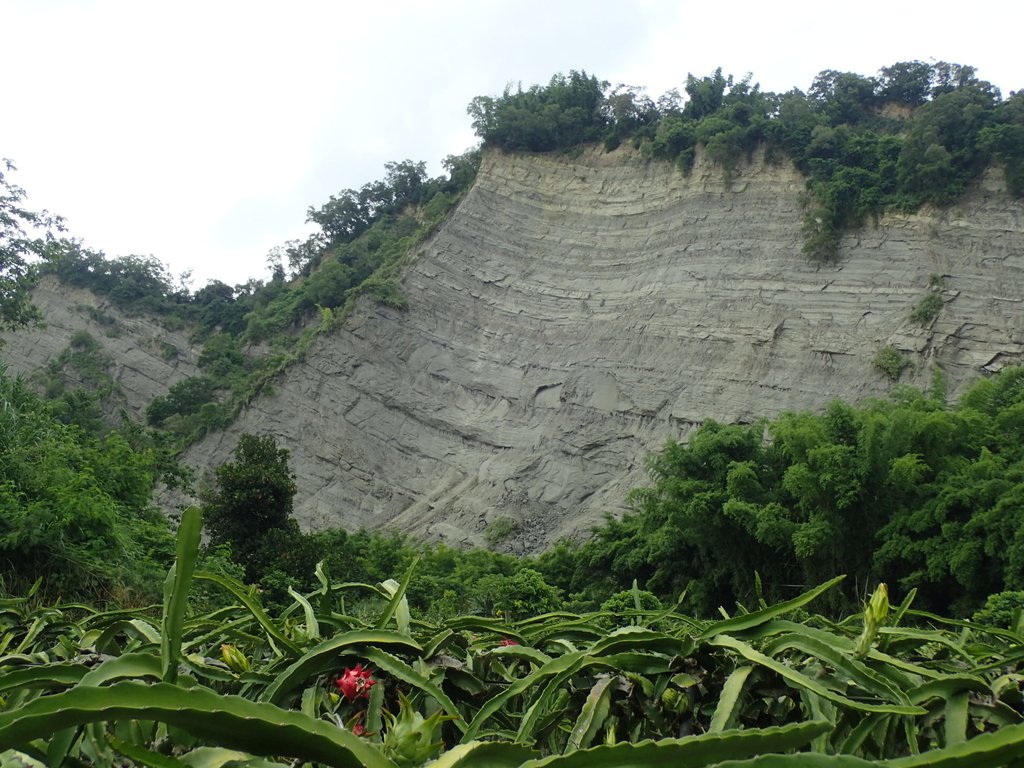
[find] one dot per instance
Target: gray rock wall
(571, 316)
(146, 357)
(574, 314)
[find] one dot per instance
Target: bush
(890, 361)
(1002, 609)
(499, 529)
(623, 606)
(927, 308)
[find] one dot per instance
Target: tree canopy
(916, 133)
(26, 237)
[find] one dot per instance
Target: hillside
(137, 357)
(575, 313)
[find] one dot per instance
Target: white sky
(200, 132)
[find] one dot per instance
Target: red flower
(355, 682)
(507, 641)
(359, 729)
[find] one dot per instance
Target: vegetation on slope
(251, 332)
(905, 490)
(76, 509)
(25, 235)
(916, 133)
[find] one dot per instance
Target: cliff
(141, 356)
(573, 314)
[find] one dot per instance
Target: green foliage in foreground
(314, 685)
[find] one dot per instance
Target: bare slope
(145, 358)
(573, 314)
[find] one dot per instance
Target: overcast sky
(200, 132)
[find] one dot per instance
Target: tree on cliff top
(24, 235)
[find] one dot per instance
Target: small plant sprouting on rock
(927, 308)
(890, 361)
(500, 529)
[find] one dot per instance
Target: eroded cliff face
(573, 314)
(142, 357)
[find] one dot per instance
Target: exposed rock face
(146, 358)
(573, 314)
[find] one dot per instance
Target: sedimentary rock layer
(573, 314)
(144, 358)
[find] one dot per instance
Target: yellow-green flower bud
(878, 608)
(875, 613)
(411, 739)
(234, 658)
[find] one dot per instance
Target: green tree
(567, 112)
(942, 150)
(906, 82)
(24, 236)
(845, 97)
(522, 594)
(251, 497)
(75, 509)
(705, 95)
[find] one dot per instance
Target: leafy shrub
(624, 609)
(890, 361)
(74, 507)
(183, 398)
(499, 529)
(1002, 609)
(927, 308)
